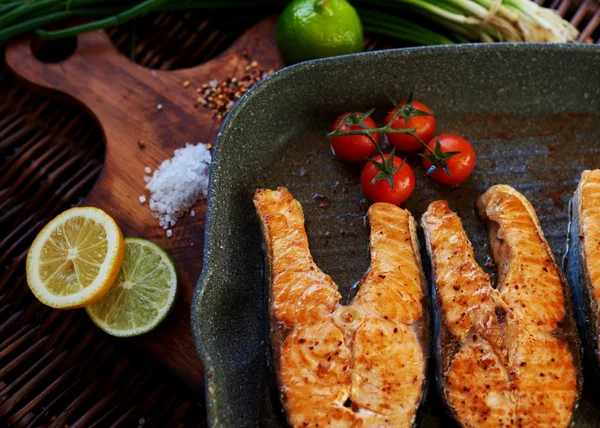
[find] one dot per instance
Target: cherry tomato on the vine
(459, 165)
(425, 128)
(381, 191)
(354, 148)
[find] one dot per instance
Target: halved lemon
(75, 259)
(143, 293)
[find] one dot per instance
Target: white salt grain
(142, 199)
(178, 183)
(159, 106)
(192, 213)
(147, 170)
(169, 233)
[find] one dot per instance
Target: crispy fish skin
(507, 356)
(583, 265)
(348, 366)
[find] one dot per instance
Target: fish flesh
(583, 267)
(506, 355)
(364, 364)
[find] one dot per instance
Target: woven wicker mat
(56, 368)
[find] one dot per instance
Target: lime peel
(310, 29)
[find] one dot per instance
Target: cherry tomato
(425, 128)
(354, 148)
(460, 165)
(404, 182)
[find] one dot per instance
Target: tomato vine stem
(407, 111)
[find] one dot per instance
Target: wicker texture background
(56, 368)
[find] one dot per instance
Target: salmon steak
(506, 355)
(364, 364)
(583, 265)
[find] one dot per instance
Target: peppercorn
(220, 97)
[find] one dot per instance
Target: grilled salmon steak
(506, 356)
(346, 366)
(583, 266)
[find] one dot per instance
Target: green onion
(416, 21)
(111, 21)
(380, 23)
(506, 20)
(32, 24)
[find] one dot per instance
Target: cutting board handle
(94, 57)
(122, 94)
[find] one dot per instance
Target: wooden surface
(123, 98)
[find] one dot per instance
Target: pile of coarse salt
(177, 184)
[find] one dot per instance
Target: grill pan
(532, 112)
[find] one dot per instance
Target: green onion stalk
(487, 20)
(419, 22)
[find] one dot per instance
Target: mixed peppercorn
(220, 97)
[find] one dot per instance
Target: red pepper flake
(220, 97)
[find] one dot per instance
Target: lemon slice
(75, 259)
(142, 294)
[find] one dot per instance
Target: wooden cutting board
(123, 97)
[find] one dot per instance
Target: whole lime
(309, 29)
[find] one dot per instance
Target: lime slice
(142, 294)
